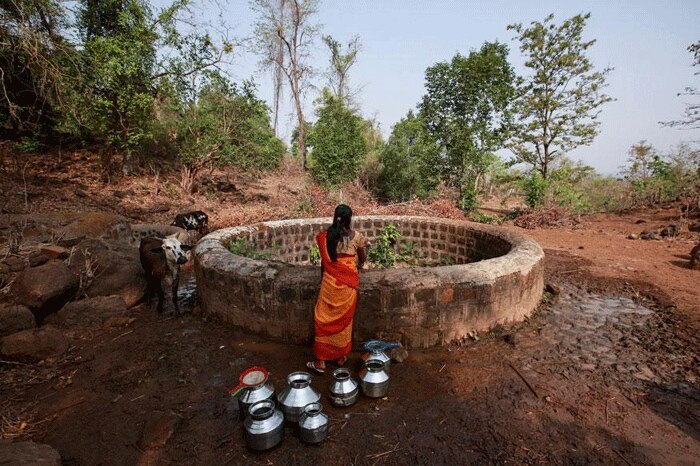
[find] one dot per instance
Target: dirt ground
(607, 371)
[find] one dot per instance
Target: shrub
(482, 217)
(382, 251)
(535, 189)
(241, 247)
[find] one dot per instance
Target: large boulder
(14, 319)
(116, 270)
(28, 453)
(121, 277)
(98, 225)
(45, 289)
(86, 312)
(34, 345)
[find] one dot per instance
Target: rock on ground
(28, 453)
(117, 270)
(90, 311)
(46, 288)
(695, 258)
(31, 346)
(398, 354)
(14, 319)
(54, 252)
(98, 225)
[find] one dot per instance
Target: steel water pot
(313, 423)
(264, 425)
(376, 349)
(253, 386)
(343, 389)
(297, 395)
(374, 380)
(251, 395)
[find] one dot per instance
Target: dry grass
(547, 218)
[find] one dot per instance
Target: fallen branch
(379, 455)
(2, 361)
(524, 380)
(123, 334)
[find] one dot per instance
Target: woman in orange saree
(343, 251)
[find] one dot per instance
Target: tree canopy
(410, 161)
(559, 102)
(467, 109)
(337, 142)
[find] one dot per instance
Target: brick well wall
(498, 278)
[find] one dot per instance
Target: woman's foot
(317, 367)
(341, 362)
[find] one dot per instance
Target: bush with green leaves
(535, 189)
(370, 170)
(315, 255)
(227, 124)
(568, 185)
(241, 247)
(657, 178)
(482, 217)
(382, 252)
(336, 141)
(27, 145)
(410, 161)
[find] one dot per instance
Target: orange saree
(335, 307)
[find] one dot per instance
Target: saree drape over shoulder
(335, 307)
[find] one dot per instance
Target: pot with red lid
(253, 386)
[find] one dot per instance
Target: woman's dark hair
(340, 227)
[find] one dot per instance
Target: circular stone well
(497, 278)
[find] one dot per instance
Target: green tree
(37, 66)
(118, 61)
(224, 125)
(560, 101)
(283, 36)
(467, 110)
(123, 72)
(692, 110)
(410, 161)
(370, 170)
(336, 141)
(338, 74)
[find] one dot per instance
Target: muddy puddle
(187, 293)
(590, 331)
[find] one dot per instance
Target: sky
(644, 41)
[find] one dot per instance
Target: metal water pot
(374, 380)
(313, 424)
(375, 349)
(343, 389)
(297, 395)
(264, 425)
(251, 395)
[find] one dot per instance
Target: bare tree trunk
(277, 77)
(296, 84)
(302, 132)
